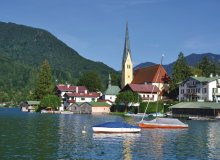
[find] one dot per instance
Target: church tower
(127, 66)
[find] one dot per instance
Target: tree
(127, 97)
(207, 67)
(50, 101)
(181, 71)
(44, 82)
(91, 80)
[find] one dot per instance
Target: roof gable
(150, 74)
(202, 79)
(99, 104)
(63, 88)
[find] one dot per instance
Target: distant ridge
(192, 60)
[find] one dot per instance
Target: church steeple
(127, 49)
(109, 81)
(127, 66)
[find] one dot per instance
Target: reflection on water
(213, 134)
(125, 139)
(56, 136)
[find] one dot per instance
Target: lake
(58, 136)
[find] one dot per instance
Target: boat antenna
(152, 89)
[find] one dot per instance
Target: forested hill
(22, 51)
(30, 46)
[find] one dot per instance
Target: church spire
(127, 66)
(127, 49)
(109, 81)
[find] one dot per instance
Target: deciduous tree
(91, 80)
(50, 101)
(127, 97)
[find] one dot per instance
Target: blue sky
(96, 28)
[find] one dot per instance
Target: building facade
(146, 91)
(200, 89)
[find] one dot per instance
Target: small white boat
(135, 115)
(115, 127)
(158, 114)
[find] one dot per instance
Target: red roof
(91, 94)
(151, 74)
(62, 87)
(142, 88)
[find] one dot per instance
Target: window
(198, 90)
(93, 99)
(128, 66)
(82, 98)
(204, 90)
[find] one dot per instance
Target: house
(70, 98)
(147, 92)
(197, 88)
(61, 89)
(154, 75)
(89, 107)
(29, 106)
(111, 92)
(100, 107)
(198, 109)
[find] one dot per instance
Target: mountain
(31, 46)
(23, 49)
(192, 60)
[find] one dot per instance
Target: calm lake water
(55, 136)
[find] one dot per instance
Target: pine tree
(44, 82)
(181, 71)
(207, 67)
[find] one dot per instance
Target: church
(148, 82)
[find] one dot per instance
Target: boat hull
(168, 123)
(165, 126)
(115, 130)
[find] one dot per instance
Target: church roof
(141, 88)
(112, 90)
(127, 49)
(150, 74)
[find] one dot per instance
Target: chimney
(195, 75)
(68, 86)
(77, 90)
(211, 75)
(86, 91)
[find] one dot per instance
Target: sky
(96, 28)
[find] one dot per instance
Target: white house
(71, 98)
(147, 92)
(200, 89)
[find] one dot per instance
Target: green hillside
(23, 49)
